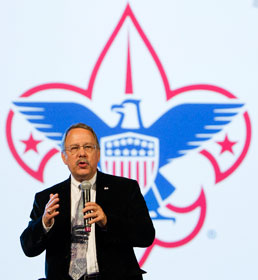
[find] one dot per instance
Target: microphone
(85, 188)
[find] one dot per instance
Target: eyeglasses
(74, 149)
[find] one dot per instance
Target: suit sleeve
(34, 238)
(133, 224)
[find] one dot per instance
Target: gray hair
(79, 125)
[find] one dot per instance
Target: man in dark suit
(118, 216)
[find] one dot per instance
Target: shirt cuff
(46, 229)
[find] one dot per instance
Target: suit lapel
(99, 187)
(65, 203)
(102, 188)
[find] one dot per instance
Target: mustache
(84, 160)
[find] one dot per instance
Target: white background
(201, 41)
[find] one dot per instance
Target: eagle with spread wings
(182, 128)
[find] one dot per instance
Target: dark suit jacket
(129, 225)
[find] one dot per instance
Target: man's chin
(82, 176)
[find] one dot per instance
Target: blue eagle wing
(187, 126)
(53, 118)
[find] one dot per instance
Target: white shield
(131, 155)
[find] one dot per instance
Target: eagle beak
(117, 108)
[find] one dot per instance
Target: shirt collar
(76, 183)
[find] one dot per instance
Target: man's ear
(64, 157)
(98, 155)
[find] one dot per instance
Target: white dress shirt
(91, 256)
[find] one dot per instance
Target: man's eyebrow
(87, 143)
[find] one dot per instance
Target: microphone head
(85, 185)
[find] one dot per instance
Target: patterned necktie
(78, 265)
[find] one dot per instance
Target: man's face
(83, 164)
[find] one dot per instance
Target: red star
(31, 144)
(226, 145)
